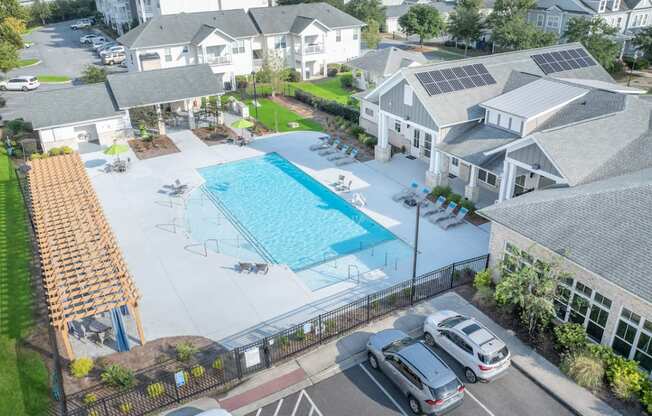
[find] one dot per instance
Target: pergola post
(161, 122)
(133, 310)
(63, 333)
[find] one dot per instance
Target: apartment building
(307, 37)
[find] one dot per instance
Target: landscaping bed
(214, 135)
(158, 146)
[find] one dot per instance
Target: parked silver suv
(428, 383)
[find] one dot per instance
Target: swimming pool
(287, 216)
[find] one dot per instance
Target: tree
(366, 10)
(595, 35)
(274, 68)
(422, 20)
(371, 34)
(465, 22)
(93, 74)
(643, 41)
(40, 11)
(510, 28)
(8, 57)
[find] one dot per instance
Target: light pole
(419, 200)
(631, 70)
(253, 75)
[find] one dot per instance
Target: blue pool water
(287, 216)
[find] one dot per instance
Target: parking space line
(380, 386)
(259, 411)
(486, 409)
(314, 407)
(278, 407)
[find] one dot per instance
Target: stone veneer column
(471, 190)
(382, 151)
(437, 173)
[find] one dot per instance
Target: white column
(435, 175)
(507, 181)
(512, 181)
(382, 151)
(191, 114)
(471, 190)
(161, 122)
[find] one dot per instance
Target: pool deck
(186, 293)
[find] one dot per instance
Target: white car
(80, 24)
(23, 83)
(88, 38)
(98, 42)
(214, 412)
(482, 354)
(110, 49)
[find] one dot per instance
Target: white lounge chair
(438, 206)
(340, 181)
(331, 149)
(344, 187)
(456, 220)
(324, 143)
(343, 152)
(348, 160)
(447, 213)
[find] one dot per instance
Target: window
(519, 185)
(355, 34)
(427, 144)
(168, 55)
(407, 95)
(487, 177)
(338, 36)
(633, 338)
(368, 111)
(616, 5)
(407, 372)
(602, 6)
(397, 126)
(578, 303)
(541, 19)
(238, 47)
(415, 140)
(619, 23)
(553, 22)
(455, 161)
(498, 119)
(280, 42)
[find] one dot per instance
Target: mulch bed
(159, 146)
(212, 136)
(544, 345)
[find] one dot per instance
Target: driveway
(58, 48)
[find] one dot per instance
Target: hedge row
(347, 112)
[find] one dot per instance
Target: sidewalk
(340, 354)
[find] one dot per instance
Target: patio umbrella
(242, 124)
(116, 149)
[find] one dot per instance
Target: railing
(313, 49)
(213, 369)
(219, 60)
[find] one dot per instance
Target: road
(362, 391)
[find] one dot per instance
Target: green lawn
(269, 113)
(23, 376)
(328, 88)
(31, 29)
(52, 79)
(27, 62)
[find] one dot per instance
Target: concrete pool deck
(186, 293)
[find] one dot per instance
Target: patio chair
(446, 214)
(344, 187)
(339, 182)
(178, 184)
(406, 193)
(245, 267)
(343, 152)
(348, 160)
(261, 268)
(438, 206)
(332, 149)
(324, 143)
(456, 220)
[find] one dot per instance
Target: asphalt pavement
(363, 391)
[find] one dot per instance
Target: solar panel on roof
(455, 79)
(565, 60)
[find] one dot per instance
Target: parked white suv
(482, 354)
(86, 39)
(81, 24)
(24, 83)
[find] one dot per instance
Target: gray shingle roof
(472, 144)
(456, 107)
(134, 89)
(182, 28)
(396, 11)
(385, 62)
(281, 19)
(69, 105)
(604, 226)
(572, 6)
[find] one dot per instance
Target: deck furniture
(456, 220)
(447, 213)
(348, 160)
(438, 206)
(343, 153)
(262, 268)
(331, 149)
(244, 266)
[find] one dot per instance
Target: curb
(56, 83)
(31, 65)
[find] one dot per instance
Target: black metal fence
(158, 387)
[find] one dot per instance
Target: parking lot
(360, 390)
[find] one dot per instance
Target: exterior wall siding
(531, 155)
(618, 296)
(392, 102)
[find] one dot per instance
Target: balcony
(313, 49)
(219, 60)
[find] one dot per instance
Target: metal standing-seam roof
(603, 226)
(281, 19)
(83, 270)
(181, 28)
(134, 89)
(70, 105)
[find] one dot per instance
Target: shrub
(118, 376)
(570, 337)
(89, 399)
(300, 334)
(241, 82)
(392, 299)
(185, 351)
(37, 156)
(457, 198)
(646, 398)
(625, 378)
(585, 369)
(367, 140)
(67, 150)
(80, 367)
(293, 76)
(197, 371)
(93, 413)
(357, 131)
(330, 325)
(331, 72)
(55, 151)
(283, 341)
(444, 191)
(346, 112)
(3, 102)
(407, 292)
(155, 390)
(468, 204)
(125, 408)
(345, 68)
(482, 279)
(346, 81)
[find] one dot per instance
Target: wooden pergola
(84, 273)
